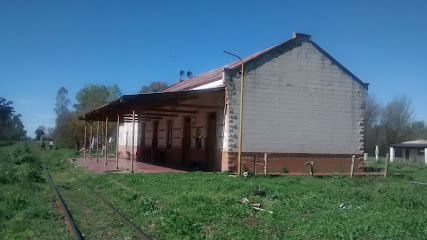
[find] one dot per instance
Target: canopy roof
(420, 143)
(152, 102)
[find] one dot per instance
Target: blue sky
(48, 44)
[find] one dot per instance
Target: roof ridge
(206, 77)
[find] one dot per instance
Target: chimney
(301, 36)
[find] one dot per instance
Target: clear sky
(48, 44)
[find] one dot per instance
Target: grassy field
(208, 205)
(27, 203)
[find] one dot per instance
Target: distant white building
(413, 151)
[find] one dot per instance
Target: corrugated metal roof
(212, 75)
(143, 102)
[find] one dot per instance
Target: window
(169, 135)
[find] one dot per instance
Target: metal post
(117, 142)
(239, 157)
(90, 140)
(84, 144)
(133, 138)
(97, 141)
(106, 140)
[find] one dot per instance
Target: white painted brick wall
(125, 131)
(299, 102)
(177, 125)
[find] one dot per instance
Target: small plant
(283, 169)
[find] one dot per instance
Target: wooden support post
(133, 138)
(106, 140)
(90, 140)
(255, 158)
(97, 141)
(265, 163)
(101, 139)
(352, 166)
(117, 142)
(84, 144)
(387, 160)
(311, 168)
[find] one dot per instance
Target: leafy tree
(93, 96)
(39, 133)
(69, 130)
(396, 119)
(11, 127)
(62, 102)
(154, 87)
(60, 133)
(114, 91)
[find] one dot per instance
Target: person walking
(51, 144)
(43, 146)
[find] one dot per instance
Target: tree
(419, 130)
(114, 91)
(154, 87)
(91, 97)
(69, 130)
(62, 102)
(39, 133)
(50, 130)
(396, 120)
(60, 133)
(11, 127)
(373, 111)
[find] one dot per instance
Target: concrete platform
(124, 166)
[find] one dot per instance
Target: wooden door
(141, 129)
(154, 140)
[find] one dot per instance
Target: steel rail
(68, 219)
(139, 233)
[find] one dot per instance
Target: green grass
(27, 203)
(208, 205)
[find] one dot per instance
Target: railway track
(72, 227)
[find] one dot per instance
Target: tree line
(11, 127)
(69, 131)
(389, 123)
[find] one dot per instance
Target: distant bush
(5, 143)
(283, 169)
(20, 166)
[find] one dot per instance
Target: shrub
(283, 169)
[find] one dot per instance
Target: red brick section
(295, 162)
(124, 166)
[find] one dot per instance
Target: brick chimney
(301, 36)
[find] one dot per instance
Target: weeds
(207, 205)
